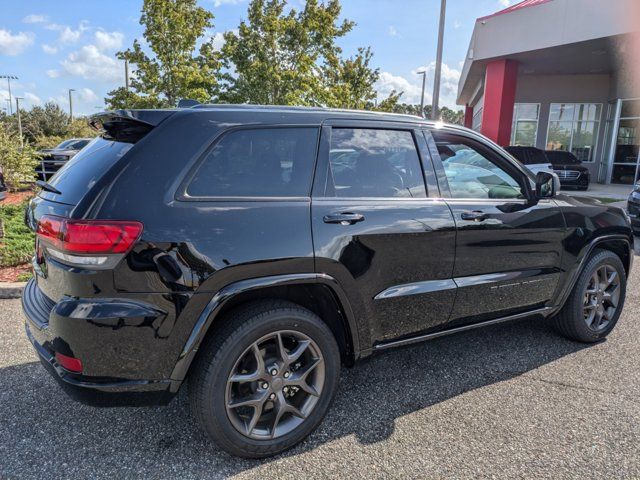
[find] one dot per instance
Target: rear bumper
(92, 390)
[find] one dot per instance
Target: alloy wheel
(601, 297)
(275, 385)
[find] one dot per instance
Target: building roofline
(513, 8)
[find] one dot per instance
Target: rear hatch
(75, 253)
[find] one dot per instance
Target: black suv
(569, 169)
(253, 250)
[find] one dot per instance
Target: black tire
(219, 355)
(570, 322)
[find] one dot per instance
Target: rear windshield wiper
(47, 187)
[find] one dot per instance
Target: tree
(45, 120)
(280, 58)
(178, 68)
(350, 82)
(17, 163)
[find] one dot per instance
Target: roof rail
(187, 103)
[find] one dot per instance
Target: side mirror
(547, 185)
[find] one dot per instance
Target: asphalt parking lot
(510, 401)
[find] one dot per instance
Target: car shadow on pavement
(40, 426)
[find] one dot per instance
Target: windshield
(563, 158)
(64, 144)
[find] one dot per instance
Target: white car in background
(532, 158)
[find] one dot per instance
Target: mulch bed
(14, 274)
(16, 198)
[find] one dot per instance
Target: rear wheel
(266, 379)
(594, 306)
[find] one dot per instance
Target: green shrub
(18, 163)
(16, 247)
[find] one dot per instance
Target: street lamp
(19, 121)
(436, 81)
(71, 105)
(424, 83)
(9, 78)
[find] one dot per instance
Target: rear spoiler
(127, 126)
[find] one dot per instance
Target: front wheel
(266, 379)
(595, 304)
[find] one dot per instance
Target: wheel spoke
(254, 400)
(589, 307)
(611, 278)
(257, 413)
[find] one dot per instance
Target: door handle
(475, 216)
(346, 218)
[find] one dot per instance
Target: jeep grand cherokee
(254, 250)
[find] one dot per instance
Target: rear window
(265, 162)
(81, 173)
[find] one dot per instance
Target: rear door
(379, 230)
(508, 247)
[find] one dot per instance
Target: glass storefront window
(524, 130)
(625, 159)
(574, 128)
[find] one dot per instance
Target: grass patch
(16, 247)
(608, 200)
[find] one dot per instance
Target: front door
(377, 232)
(508, 248)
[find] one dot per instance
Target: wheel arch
(319, 293)
(619, 244)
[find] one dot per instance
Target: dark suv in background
(569, 169)
(52, 159)
(252, 251)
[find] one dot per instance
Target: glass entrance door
(626, 154)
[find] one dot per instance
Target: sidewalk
(619, 192)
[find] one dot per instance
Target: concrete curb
(11, 289)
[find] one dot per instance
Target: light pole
(9, 78)
(424, 84)
(126, 74)
(71, 105)
(435, 107)
(19, 121)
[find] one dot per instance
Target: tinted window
(268, 162)
(562, 158)
(80, 173)
(471, 173)
(374, 163)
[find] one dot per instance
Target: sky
(54, 46)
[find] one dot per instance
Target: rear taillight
(87, 242)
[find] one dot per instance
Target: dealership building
(559, 75)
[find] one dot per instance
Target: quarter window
(573, 127)
(471, 173)
(374, 163)
(266, 162)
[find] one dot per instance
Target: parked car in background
(633, 207)
(246, 253)
(569, 169)
(3, 186)
(532, 158)
(52, 159)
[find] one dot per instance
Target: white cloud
(87, 95)
(505, 3)
(393, 32)
(457, 24)
(217, 3)
(108, 40)
(35, 18)
(90, 63)
(49, 49)
(32, 99)
(412, 86)
(68, 35)
(11, 44)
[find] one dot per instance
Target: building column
(468, 116)
(499, 99)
